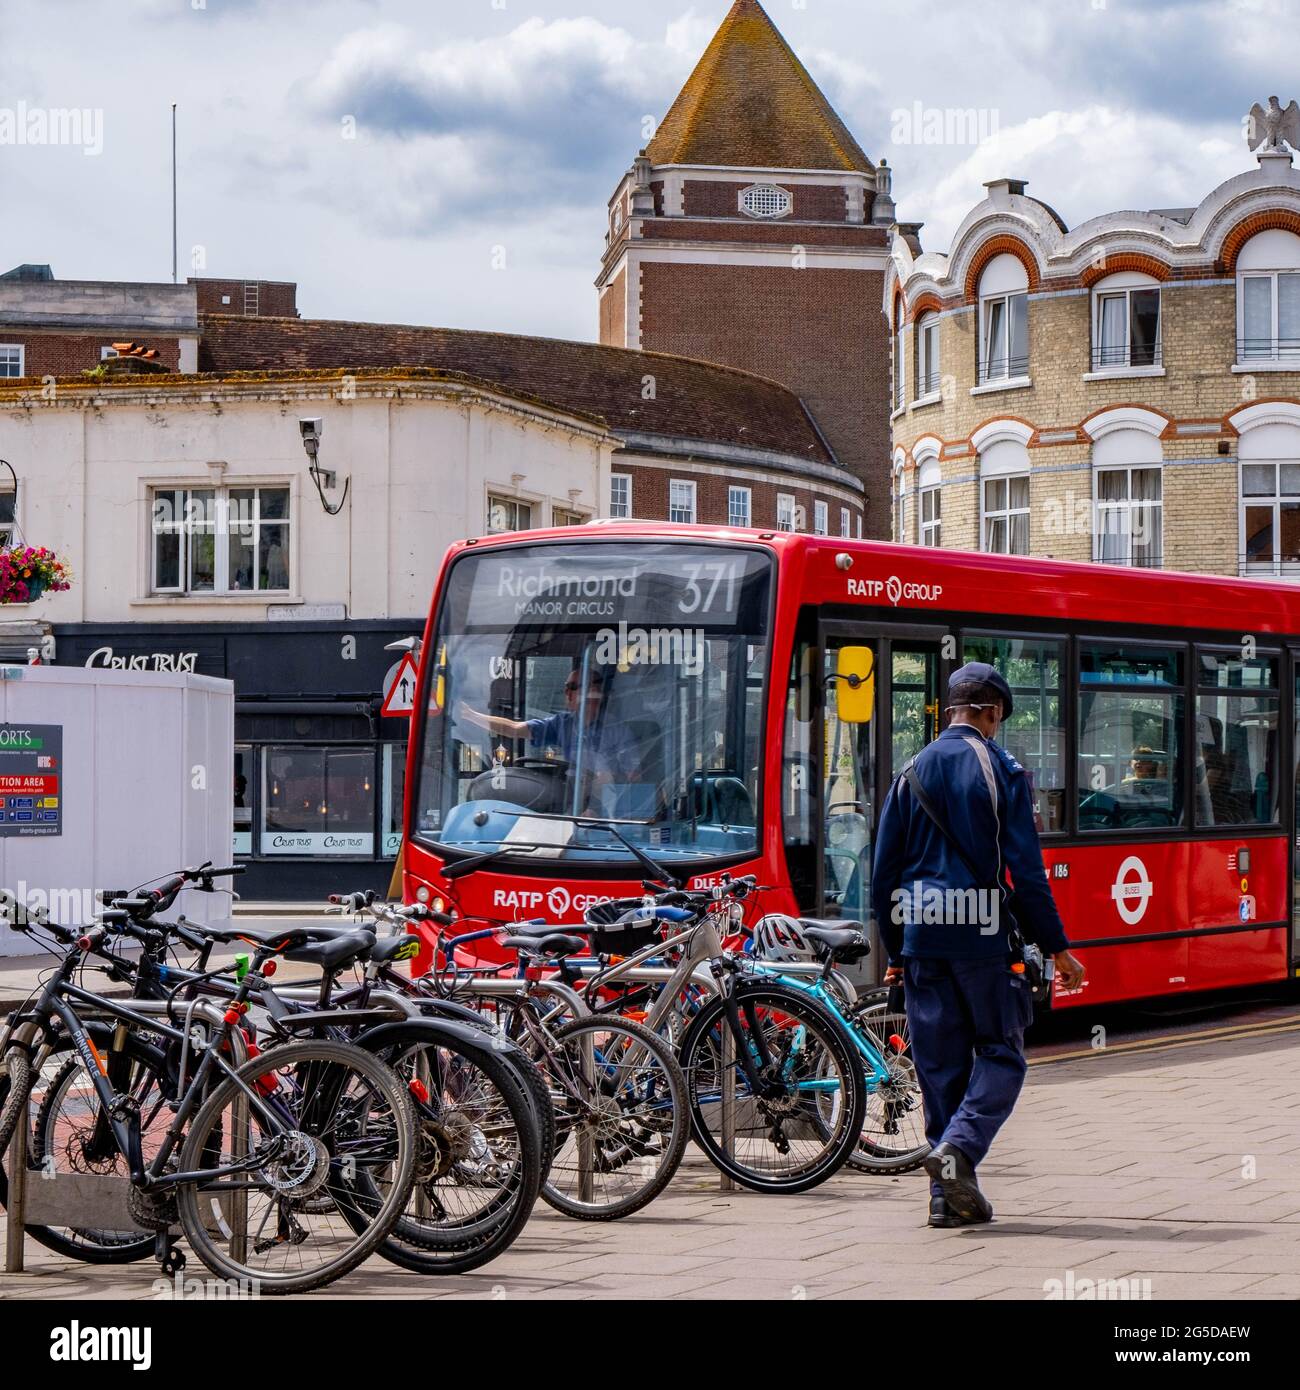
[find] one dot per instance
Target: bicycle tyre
(796, 1007)
(425, 1247)
(90, 1247)
(871, 1154)
(196, 1154)
(678, 1135)
(16, 1081)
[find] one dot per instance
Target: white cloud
(1083, 163)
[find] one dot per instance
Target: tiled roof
(686, 399)
(750, 103)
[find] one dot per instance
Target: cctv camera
(311, 428)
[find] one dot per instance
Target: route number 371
(704, 583)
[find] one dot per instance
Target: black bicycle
(284, 1170)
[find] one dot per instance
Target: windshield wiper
(480, 861)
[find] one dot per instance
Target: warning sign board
(399, 689)
(31, 769)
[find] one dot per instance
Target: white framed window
(1268, 298)
(106, 352)
(508, 514)
(1270, 517)
(1125, 322)
(930, 516)
(927, 355)
(620, 494)
(681, 500)
(784, 511)
(739, 506)
(859, 525)
(8, 515)
(900, 508)
(1128, 527)
(900, 375)
(12, 357)
(1004, 320)
(220, 541)
(821, 519)
(1005, 525)
(765, 200)
(844, 522)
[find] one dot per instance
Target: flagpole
(173, 193)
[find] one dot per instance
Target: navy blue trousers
(967, 1020)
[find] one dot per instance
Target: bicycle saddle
(843, 943)
(557, 944)
(395, 948)
(334, 950)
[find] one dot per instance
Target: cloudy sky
(449, 161)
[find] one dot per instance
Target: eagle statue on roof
(1267, 128)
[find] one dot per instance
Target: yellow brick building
(1127, 391)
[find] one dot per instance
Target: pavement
(1170, 1160)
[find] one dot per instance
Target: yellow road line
(1230, 1034)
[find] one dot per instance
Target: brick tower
(753, 231)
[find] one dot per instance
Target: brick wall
(68, 354)
(613, 312)
(818, 331)
(274, 298)
(810, 202)
(1198, 388)
(650, 490)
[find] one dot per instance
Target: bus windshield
(619, 681)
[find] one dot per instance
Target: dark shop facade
(318, 773)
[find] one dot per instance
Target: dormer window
(765, 200)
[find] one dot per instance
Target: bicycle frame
(54, 1003)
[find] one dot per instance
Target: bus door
(881, 706)
(1293, 820)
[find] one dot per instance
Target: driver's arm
(493, 723)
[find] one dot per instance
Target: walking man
(954, 826)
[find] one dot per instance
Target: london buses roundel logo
(1132, 894)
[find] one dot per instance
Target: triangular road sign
(399, 697)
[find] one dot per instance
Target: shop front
(318, 772)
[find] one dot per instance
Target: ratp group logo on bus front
(895, 590)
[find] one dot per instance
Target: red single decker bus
(740, 700)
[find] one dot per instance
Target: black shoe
(943, 1217)
(941, 1214)
(952, 1170)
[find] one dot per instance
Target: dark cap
(981, 673)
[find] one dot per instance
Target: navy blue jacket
(915, 864)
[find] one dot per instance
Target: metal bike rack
(89, 1201)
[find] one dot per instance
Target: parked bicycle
(287, 1170)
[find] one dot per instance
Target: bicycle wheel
(801, 1122)
(332, 1136)
(16, 1081)
(70, 1135)
(893, 1133)
(621, 1117)
(478, 1166)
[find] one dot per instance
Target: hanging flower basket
(28, 571)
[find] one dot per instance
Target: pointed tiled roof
(750, 103)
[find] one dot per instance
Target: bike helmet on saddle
(778, 937)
